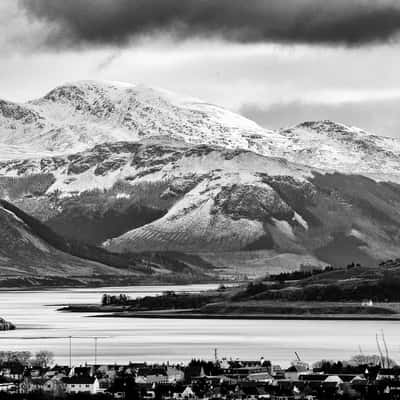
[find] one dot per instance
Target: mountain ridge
(140, 169)
(76, 116)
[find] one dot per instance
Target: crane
(386, 349)
(380, 351)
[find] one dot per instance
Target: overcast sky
(277, 61)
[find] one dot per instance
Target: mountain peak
(324, 126)
(78, 115)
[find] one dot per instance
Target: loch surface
(41, 327)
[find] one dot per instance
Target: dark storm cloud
(349, 22)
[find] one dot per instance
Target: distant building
(367, 303)
(187, 394)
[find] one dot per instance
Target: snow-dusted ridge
(337, 147)
(77, 116)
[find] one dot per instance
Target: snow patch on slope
(299, 219)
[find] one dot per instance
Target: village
(222, 379)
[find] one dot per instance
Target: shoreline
(299, 317)
(152, 283)
(241, 311)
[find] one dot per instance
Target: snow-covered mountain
(77, 116)
(140, 169)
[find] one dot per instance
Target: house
(175, 375)
(333, 380)
(388, 374)
(81, 384)
(186, 394)
(12, 370)
(260, 377)
(293, 373)
(359, 381)
(7, 387)
(55, 385)
(82, 371)
(152, 375)
(242, 373)
(57, 370)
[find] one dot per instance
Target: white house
(82, 384)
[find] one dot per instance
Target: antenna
(216, 355)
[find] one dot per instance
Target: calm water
(40, 326)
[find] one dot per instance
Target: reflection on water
(40, 326)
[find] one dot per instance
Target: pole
(70, 351)
(95, 351)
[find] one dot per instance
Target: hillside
(24, 253)
(32, 254)
(166, 195)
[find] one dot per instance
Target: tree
(44, 358)
(105, 300)
(21, 357)
(371, 359)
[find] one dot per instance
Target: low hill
(354, 292)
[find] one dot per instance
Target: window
(87, 386)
